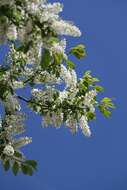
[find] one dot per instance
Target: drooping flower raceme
(38, 59)
(59, 48)
(84, 126)
(65, 28)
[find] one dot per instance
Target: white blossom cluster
(11, 126)
(89, 97)
(65, 28)
(84, 126)
(38, 61)
(69, 76)
(6, 2)
(8, 150)
(22, 142)
(55, 118)
(27, 65)
(59, 48)
(46, 13)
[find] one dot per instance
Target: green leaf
(52, 40)
(6, 165)
(106, 100)
(108, 103)
(16, 16)
(105, 106)
(18, 154)
(46, 59)
(78, 51)
(88, 80)
(91, 116)
(70, 64)
(32, 163)
(15, 168)
(99, 88)
(27, 170)
(24, 169)
(111, 105)
(104, 111)
(57, 58)
(94, 79)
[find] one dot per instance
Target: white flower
(72, 124)
(63, 95)
(47, 17)
(6, 2)
(22, 142)
(12, 32)
(59, 48)
(18, 84)
(34, 54)
(49, 12)
(70, 77)
(54, 118)
(8, 150)
(74, 79)
(46, 120)
(47, 77)
(44, 95)
(66, 75)
(54, 8)
(11, 104)
(0, 122)
(32, 7)
(57, 119)
(89, 97)
(65, 28)
(23, 32)
(35, 91)
(84, 126)
(37, 1)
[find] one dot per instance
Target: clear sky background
(69, 162)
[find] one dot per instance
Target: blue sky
(69, 162)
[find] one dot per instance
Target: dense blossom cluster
(37, 58)
(8, 150)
